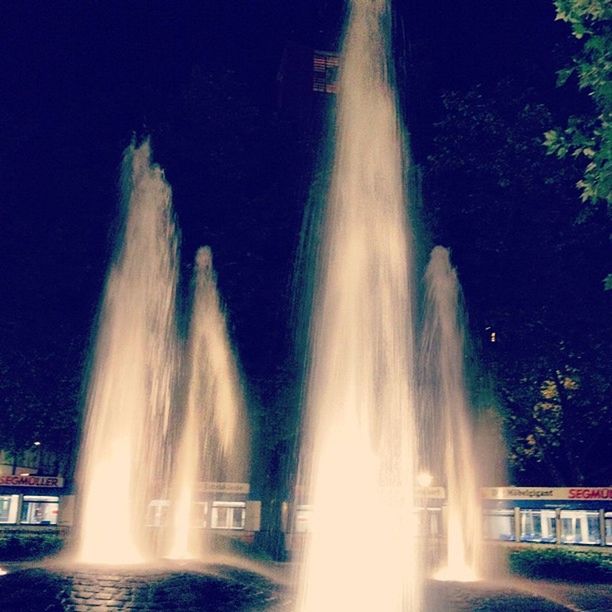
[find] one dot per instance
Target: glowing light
(459, 573)
(446, 399)
(214, 443)
(183, 544)
(358, 459)
(113, 541)
(424, 479)
(129, 390)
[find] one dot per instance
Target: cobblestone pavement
(230, 589)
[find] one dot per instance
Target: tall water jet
(446, 401)
(132, 374)
(214, 440)
(358, 451)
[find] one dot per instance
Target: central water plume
(446, 400)
(358, 455)
(214, 441)
(131, 380)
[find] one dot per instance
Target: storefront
(221, 506)
(43, 501)
(564, 516)
(555, 515)
(30, 500)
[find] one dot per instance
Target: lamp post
(38, 446)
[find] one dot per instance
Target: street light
(37, 444)
(424, 479)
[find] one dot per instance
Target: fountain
(138, 385)
(214, 441)
(133, 401)
(132, 376)
(444, 398)
(360, 448)
(358, 456)
(361, 434)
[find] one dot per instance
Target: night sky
(79, 79)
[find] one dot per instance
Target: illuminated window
(325, 72)
(580, 527)
(538, 525)
(157, 513)
(8, 508)
(228, 515)
(39, 510)
(499, 525)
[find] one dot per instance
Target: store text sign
(581, 493)
(236, 488)
(27, 480)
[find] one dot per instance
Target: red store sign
(22, 480)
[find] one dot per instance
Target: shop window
(538, 526)
(8, 508)
(608, 527)
(228, 515)
(157, 513)
(39, 510)
(580, 527)
(499, 524)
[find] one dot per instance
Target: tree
(530, 275)
(588, 137)
(39, 399)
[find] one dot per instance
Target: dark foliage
(554, 564)
(21, 547)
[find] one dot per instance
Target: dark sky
(78, 78)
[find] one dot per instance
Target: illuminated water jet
(131, 379)
(214, 440)
(446, 400)
(359, 435)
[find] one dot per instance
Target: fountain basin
(171, 586)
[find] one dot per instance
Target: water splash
(214, 441)
(129, 393)
(358, 456)
(446, 399)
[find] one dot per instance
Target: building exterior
(555, 515)
(30, 489)
(552, 515)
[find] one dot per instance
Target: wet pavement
(62, 590)
(230, 589)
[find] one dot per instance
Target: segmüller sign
(27, 480)
(573, 493)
